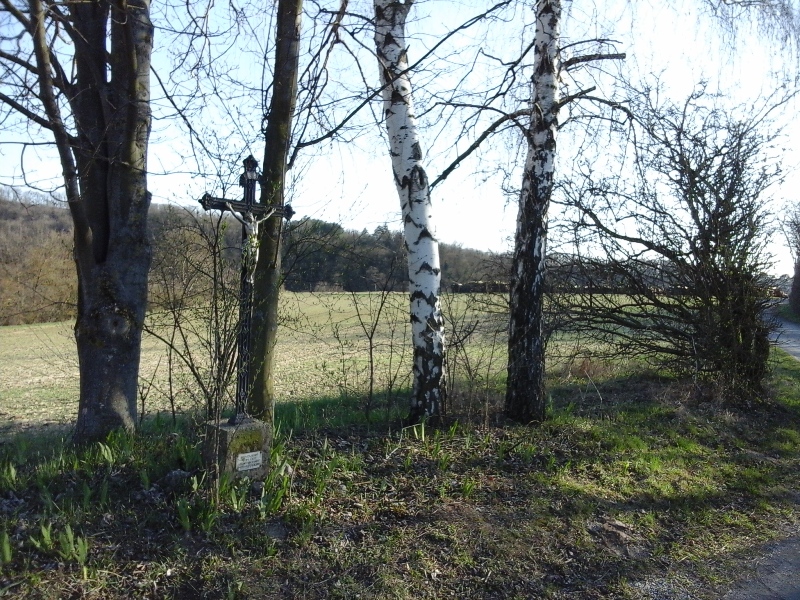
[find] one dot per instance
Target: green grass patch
(784, 311)
(632, 478)
(606, 495)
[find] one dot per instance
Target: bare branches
(319, 63)
(579, 60)
(17, 14)
(507, 94)
(25, 112)
(49, 102)
(412, 67)
(668, 258)
(15, 59)
(477, 143)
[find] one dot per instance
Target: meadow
(323, 353)
(634, 488)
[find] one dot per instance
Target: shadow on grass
(624, 483)
(336, 412)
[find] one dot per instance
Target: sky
(351, 183)
(469, 208)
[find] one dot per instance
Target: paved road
(776, 574)
(789, 338)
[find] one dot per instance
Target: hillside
(37, 276)
(37, 280)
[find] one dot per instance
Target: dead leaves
(618, 537)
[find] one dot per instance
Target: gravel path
(789, 338)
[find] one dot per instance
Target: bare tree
(194, 305)
(779, 17)
(525, 385)
(525, 390)
(670, 263)
(422, 248)
(296, 77)
(791, 227)
(524, 94)
(276, 152)
(80, 73)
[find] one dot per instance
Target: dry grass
(322, 353)
(39, 375)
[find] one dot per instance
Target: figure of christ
(250, 243)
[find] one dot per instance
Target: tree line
(36, 260)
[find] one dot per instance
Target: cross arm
(209, 202)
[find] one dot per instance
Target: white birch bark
(424, 272)
(525, 394)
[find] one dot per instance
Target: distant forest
(37, 275)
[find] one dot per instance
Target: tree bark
(104, 168)
(424, 273)
(268, 271)
(525, 390)
(794, 293)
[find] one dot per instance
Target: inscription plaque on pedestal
(240, 450)
(248, 461)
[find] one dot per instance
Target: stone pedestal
(240, 450)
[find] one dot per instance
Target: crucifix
(250, 214)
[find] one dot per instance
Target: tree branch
(474, 146)
(193, 133)
(18, 61)
(466, 25)
(610, 103)
(27, 113)
(62, 138)
(578, 60)
(567, 99)
(17, 14)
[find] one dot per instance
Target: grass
(39, 374)
(321, 356)
(643, 490)
(631, 489)
(784, 311)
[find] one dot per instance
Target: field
(322, 354)
(634, 488)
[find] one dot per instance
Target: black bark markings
(525, 393)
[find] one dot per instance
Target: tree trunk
(268, 272)
(108, 332)
(113, 285)
(424, 273)
(104, 168)
(525, 392)
(794, 293)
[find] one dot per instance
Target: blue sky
(350, 182)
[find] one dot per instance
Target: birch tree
(411, 181)
(552, 85)
(525, 399)
(78, 73)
